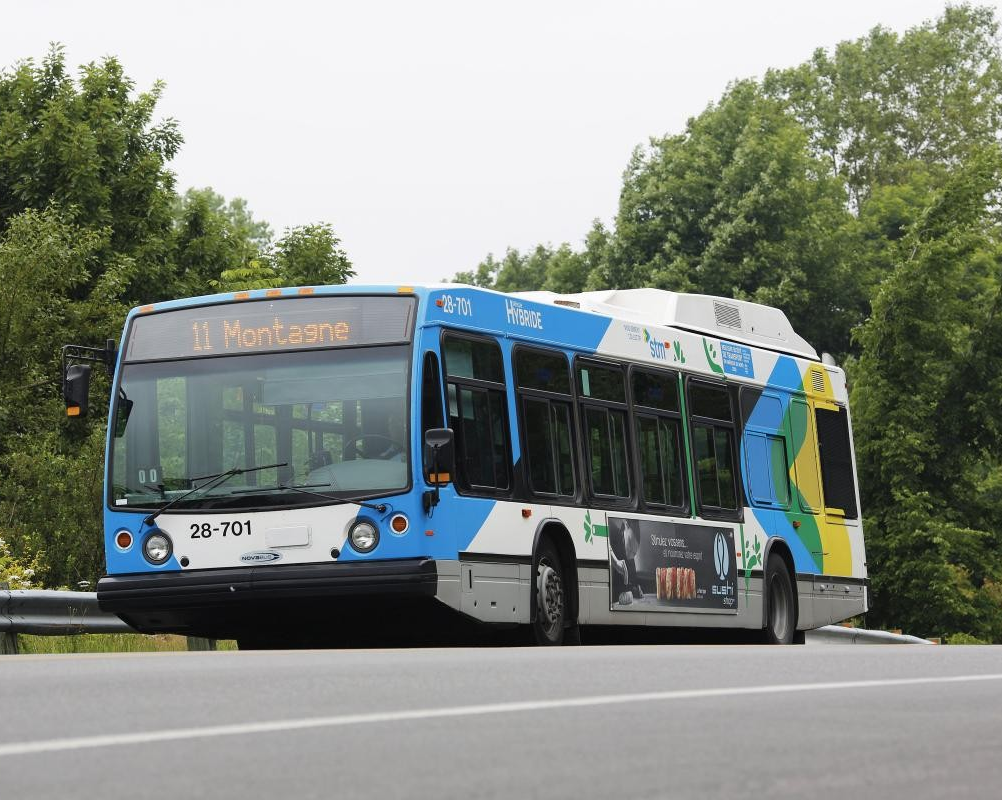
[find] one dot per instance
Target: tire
(780, 607)
(550, 627)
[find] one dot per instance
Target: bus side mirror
(76, 389)
(122, 417)
(439, 459)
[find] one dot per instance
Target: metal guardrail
(53, 613)
(837, 634)
(49, 613)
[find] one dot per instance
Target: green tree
(560, 270)
(928, 426)
(90, 145)
(484, 275)
(43, 259)
(311, 255)
(212, 236)
(878, 103)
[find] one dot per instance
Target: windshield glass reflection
(336, 420)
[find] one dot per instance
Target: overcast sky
(432, 133)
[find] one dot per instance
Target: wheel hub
(550, 592)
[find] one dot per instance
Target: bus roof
(736, 320)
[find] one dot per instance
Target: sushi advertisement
(657, 565)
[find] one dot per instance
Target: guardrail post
(8, 644)
(199, 643)
(8, 640)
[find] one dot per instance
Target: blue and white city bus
(327, 459)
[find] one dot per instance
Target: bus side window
(713, 448)
(602, 396)
(658, 421)
(544, 390)
(837, 477)
(431, 398)
(805, 457)
(765, 453)
(478, 413)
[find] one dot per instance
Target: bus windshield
(335, 421)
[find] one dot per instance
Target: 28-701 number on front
(205, 530)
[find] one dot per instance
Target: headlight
(157, 547)
(364, 537)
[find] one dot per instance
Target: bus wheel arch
(551, 534)
(777, 549)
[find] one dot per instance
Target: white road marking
(278, 726)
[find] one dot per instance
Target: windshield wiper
(380, 507)
(214, 481)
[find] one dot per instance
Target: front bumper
(216, 600)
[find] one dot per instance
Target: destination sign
(268, 326)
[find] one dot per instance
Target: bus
(335, 458)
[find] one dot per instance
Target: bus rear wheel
(781, 611)
(550, 627)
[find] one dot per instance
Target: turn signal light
(399, 523)
(124, 540)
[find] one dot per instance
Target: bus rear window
(837, 479)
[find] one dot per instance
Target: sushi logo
(721, 558)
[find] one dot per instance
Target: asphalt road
(611, 722)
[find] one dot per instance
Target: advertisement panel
(657, 565)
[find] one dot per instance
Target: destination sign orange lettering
(234, 335)
(273, 326)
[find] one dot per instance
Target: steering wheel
(391, 449)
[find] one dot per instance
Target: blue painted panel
(486, 311)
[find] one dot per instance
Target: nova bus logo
(260, 556)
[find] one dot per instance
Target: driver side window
(478, 414)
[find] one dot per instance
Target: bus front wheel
(550, 625)
(781, 616)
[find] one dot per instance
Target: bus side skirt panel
(488, 591)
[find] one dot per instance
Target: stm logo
(658, 349)
(661, 350)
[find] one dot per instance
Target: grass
(109, 643)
